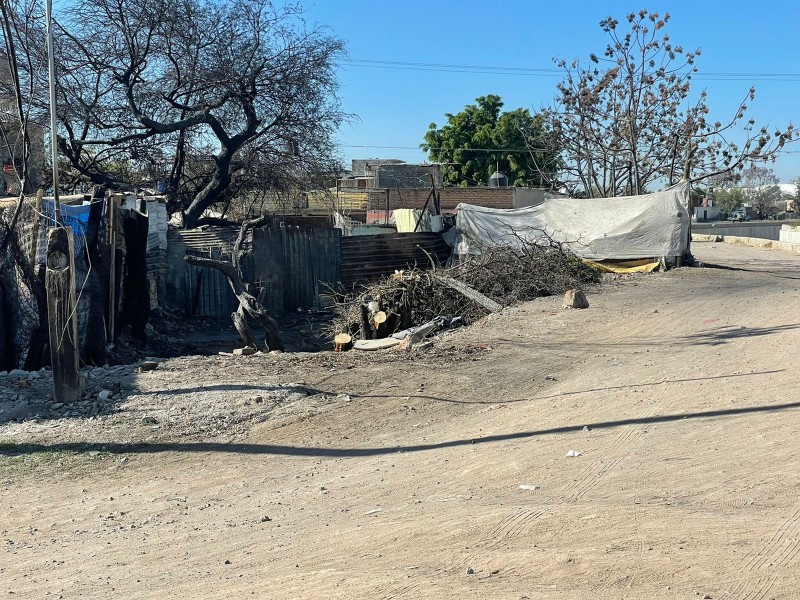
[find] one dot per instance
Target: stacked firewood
(498, 277)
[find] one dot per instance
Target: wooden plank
(468, 292)
(375, 344)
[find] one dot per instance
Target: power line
(551, 72)
(447, 149)
(520, 150)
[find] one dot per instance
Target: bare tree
(622, 124)
(190, 87)
(18, 89)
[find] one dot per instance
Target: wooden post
(686, 258)
(111, 214)
(63, 320)
(432, 194)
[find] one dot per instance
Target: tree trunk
(213, 191)
(239, 319)
(247, 301)
(237, 246)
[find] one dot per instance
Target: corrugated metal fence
(199, 291)
(294, 268)
(207, 290)
(365, 258)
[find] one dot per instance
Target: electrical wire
(552, 72)
(519, 150)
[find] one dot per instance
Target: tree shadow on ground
(12, 449)
(593, 390)
(238, 387)
(772, 268)
(711, 337)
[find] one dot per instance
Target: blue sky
(751, 43)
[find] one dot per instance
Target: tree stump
(62, 318)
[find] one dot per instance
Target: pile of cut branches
(470, 290)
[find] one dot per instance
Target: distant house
(383, 173)
(704, 205)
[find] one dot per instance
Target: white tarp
(652, 225)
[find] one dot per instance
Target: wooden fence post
(62, 317)
(111, 214)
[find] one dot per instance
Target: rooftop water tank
(498, 179)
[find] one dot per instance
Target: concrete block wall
(407, 176)
(365, 167)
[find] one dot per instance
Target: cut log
(247, 301)
(468, 292)
(342, 342)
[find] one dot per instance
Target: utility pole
(60, 269)
(51, 69)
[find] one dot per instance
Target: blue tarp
(73, 216)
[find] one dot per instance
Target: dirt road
(399, 476)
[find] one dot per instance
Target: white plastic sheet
(652, 225)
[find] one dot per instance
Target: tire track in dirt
(779, 551)
(638, 538)
(755, 589)
(622, 443)
(405, 590)
(518, 523)
(781, 548)
(630, 334)
(512, 526)
(623, 446)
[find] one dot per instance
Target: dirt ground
(392, 475)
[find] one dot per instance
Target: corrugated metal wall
(207, 291)
(294, 268)
(197, 290)
(365, 258)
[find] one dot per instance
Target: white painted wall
(790, 233)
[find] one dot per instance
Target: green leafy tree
(481, 138)
(728, 200)
(796, 199)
